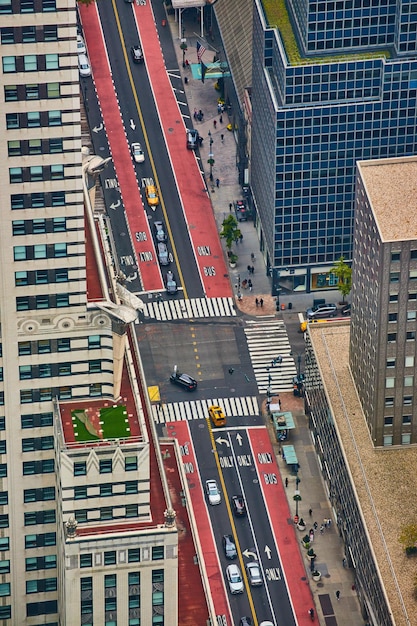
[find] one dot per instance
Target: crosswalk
(198, 409)
(180, 309)
(268, 339)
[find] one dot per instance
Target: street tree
(344, 274)
(230, 232)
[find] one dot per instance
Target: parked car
(163, 254)
(137, 54)
(81, 49)
(170, 283)
(267, 623)
(245, 621)
(192, 138)
(321, 310)
(159, 231)
(137, 153)
(151, 195)
(213, 493)
(238, 506)
(234, 578)
(346, 310)
(254, 573)
(183, 380)
(242, 211)
(84, 65)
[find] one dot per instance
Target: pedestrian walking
(215, 123)
(321, 529)
(286, 481)
(256, 302)
(195, 114)
(240, 237)
(250, 284)
(248, 268)
(230, 207)
(252, 256)
(261, 302)
(337, 594)
(310, 512)
(217, 182)
(221, 119)
(311, 614)
(222, 137)
(344, 562)
(315, 525)
(219, 107)
(311, 536)
(252, 270)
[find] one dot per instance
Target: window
(411, 315)
(40, 517)
(50, 33)
(5, 612)
(51, 62)
(37, 563)
(94, 341)
(40, 585)
(394, 277)
(390, 362)
(35, 146)
(131, 510)
(131, 486)
(409, 361)
(80, 492)
(32, 92)
(106, 490)
(12, 120)
(56, 145)
(4, 498)
(64, 369)
(387, 440)
(4, 522)
(30, 62)
(28, 34)
(81, 516)
(133, 555)
(389, 401)
(395, 256)
(45, 370)
(13, 148)
(38, 420)
(39, 495)
(53, 90)
(19, 253)
(4, 567)
(3, 470)
(94, 367)
(54, 118)
(105, 466)
(27, 6)
(391, 337)
(86, 560)
(35, 173)
(39, 251)
(110, 558)
(7, 34)
(4, 544)
(64, 345)
(4, 589)
(405, 439)
(41, 608)
(80, 468)
(392, 317)
(40, 541)
(44, 346)
(388, 421)
(48, 5)
(10, 93)
(410, 336)
(62, 299)
(9, 63)
(157, 553)
(110, 581)
(131, 463)
(406, 419)
(408, 381)
(106, 513)
(95, 390)
(16, 175)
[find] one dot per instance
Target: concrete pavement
(328, 546)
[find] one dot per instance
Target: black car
(192, 138)
(238, 506)
(229, 547)
(346, 310)
(137, 54)
(183, 380)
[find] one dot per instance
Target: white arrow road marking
(220, 440)
(97, 129)
(268, 551)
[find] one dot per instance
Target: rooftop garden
(109, 422)
(277, 17)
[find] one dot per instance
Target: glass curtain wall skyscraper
(333, 83)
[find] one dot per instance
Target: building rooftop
(385, 479)
(391, 186)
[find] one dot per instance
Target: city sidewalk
(328, 546)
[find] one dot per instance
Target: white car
(254, 573)
(81, 49)
(137, 153)
(234, 578)
(84, 65)
(213, 492)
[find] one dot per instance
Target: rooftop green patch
(277, 17)
(105, 423)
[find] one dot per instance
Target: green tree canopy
(230, 231)
(344, 273)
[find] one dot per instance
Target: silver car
(254, 573)
(137, 153)
(163, 254)
(84, 65)
(234, 579)
(321, 310)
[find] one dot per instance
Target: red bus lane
(278, 512)
(181, 432)
(196, 203)
(142, 241)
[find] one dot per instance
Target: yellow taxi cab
(151, 195)
(217, 416)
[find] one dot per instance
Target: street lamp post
(297, 498)
(268, 390)
(183, 46)
(239, 294)
(211, 157)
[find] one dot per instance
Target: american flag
(200, 50)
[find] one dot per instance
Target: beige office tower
(80, 541)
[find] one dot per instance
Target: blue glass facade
(311, 123)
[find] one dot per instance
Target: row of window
(41, 540)
(36, 173)
(28, 396)
(30, 63)
(133, 556)
(36, 420)
(40, 562)
(105, 490)
(28, 6)
(37, 200)
(41, 277)
(35, 146)
(40, 251)
(41, 585)
(33, 119)
(47, 346)
(28, 34)
(87, 596)
(47, 370)
(45, 466)
(36, 91)
(106, 513)
(39, 226)
(31, 303)
(33, 518)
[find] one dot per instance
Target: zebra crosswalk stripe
(268, 339)
(166, 310)
(243, 406)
